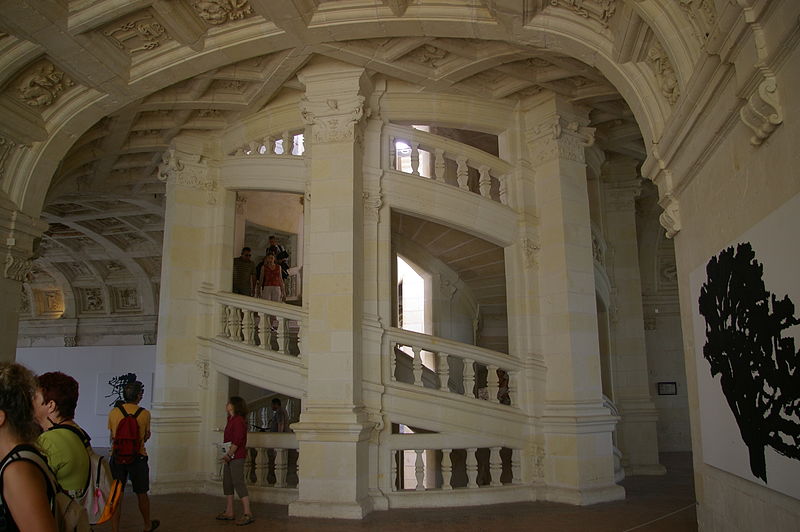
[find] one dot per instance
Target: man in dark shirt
(244, 273)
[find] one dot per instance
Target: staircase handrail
(451, 347)
(283, 310)
(427, 140)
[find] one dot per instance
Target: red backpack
(127, 441)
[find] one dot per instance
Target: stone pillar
(637, 431)
(334, 429)
(578, 463)
(190, 258)
(19, 231)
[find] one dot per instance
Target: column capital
(20, 232)
(557, 129)
(334, 100)
(188, 170)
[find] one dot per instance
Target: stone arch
(75, 115)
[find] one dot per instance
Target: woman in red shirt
(233, 469)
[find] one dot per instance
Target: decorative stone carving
(428, 55)
(538, 461)
(670, 219)
(373, 201)
(649, 323)
(173, 170)
(529, 251)
(7, 148)
(170, 165)
(149, 339)
(77, 269)
(203, 369)
(127, 299)
(41, 86)
(559, 137)
(241, 204)
(70, 341)
(218, 12)
(16, 268)
(598, 249)
(659, 62)
(24, 302)
(92, 299)
(599, 10)
(139, 34)
(703, 15)
(762, 113)
(333, 120)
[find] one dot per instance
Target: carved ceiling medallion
(139, 34)
(218, 12)
(42, 85)
(599, 10)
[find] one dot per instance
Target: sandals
(245, 520)
(154, 523)
(222, 516)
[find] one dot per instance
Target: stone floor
(653, 504)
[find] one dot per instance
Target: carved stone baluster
(503, 189)
(443, 370)
(283, 345)
(248, 327)
(512, 386)
(393, 154)
(495, 466)
(447, 469)
(269, 142)
(516, 469)
(396, 456)
(297, 465)
(491, 383)
(469, 377)
(472, 468)
(438, 165)
(393, 359)
(237, 325)
(287, 143)
(415, 158)
(281, 463)
(263, 329)
(417, 365)
(223, 318)
(262, 463)
(485, 181)
(462, 172)
(419, 470)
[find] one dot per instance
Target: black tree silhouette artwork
(759, 368)
(118, 384)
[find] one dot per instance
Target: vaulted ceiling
(104, 202)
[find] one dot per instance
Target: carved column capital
(20, 234)
(559, 136)
(334, 119)
(671, 217)
(188, 170)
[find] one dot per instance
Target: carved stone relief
(529, 251)
(599, 10)
(49, 302)
(218, 12)
(333, 120)
(703, 15)
(140, 33)
(92, 300)
(670, 219)
(24, 302)
(373, 201)
(42, 85)
(7, 149)
(762, 112)
(126, 299)
(659, 62)
(558, 137)
(70, 341)
(16, 268)
(203, 370)
(428, 55)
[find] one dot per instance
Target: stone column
(637, 432)
(190, 259)
(578, 463)
(334, 429)
(19, 231)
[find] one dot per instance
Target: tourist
(244, 273)
(63, 441)
(25, 496)
(235, 438)
(138, 469)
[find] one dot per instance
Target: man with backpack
(130, 429)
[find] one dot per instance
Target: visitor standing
(244, 273)
(130, 429)
(235, 442)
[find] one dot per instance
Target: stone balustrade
(263, 324)
(470, 168)
(271, 145)
(426, 462)
(271, 460)
(458, 368)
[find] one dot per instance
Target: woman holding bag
(235, 438)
